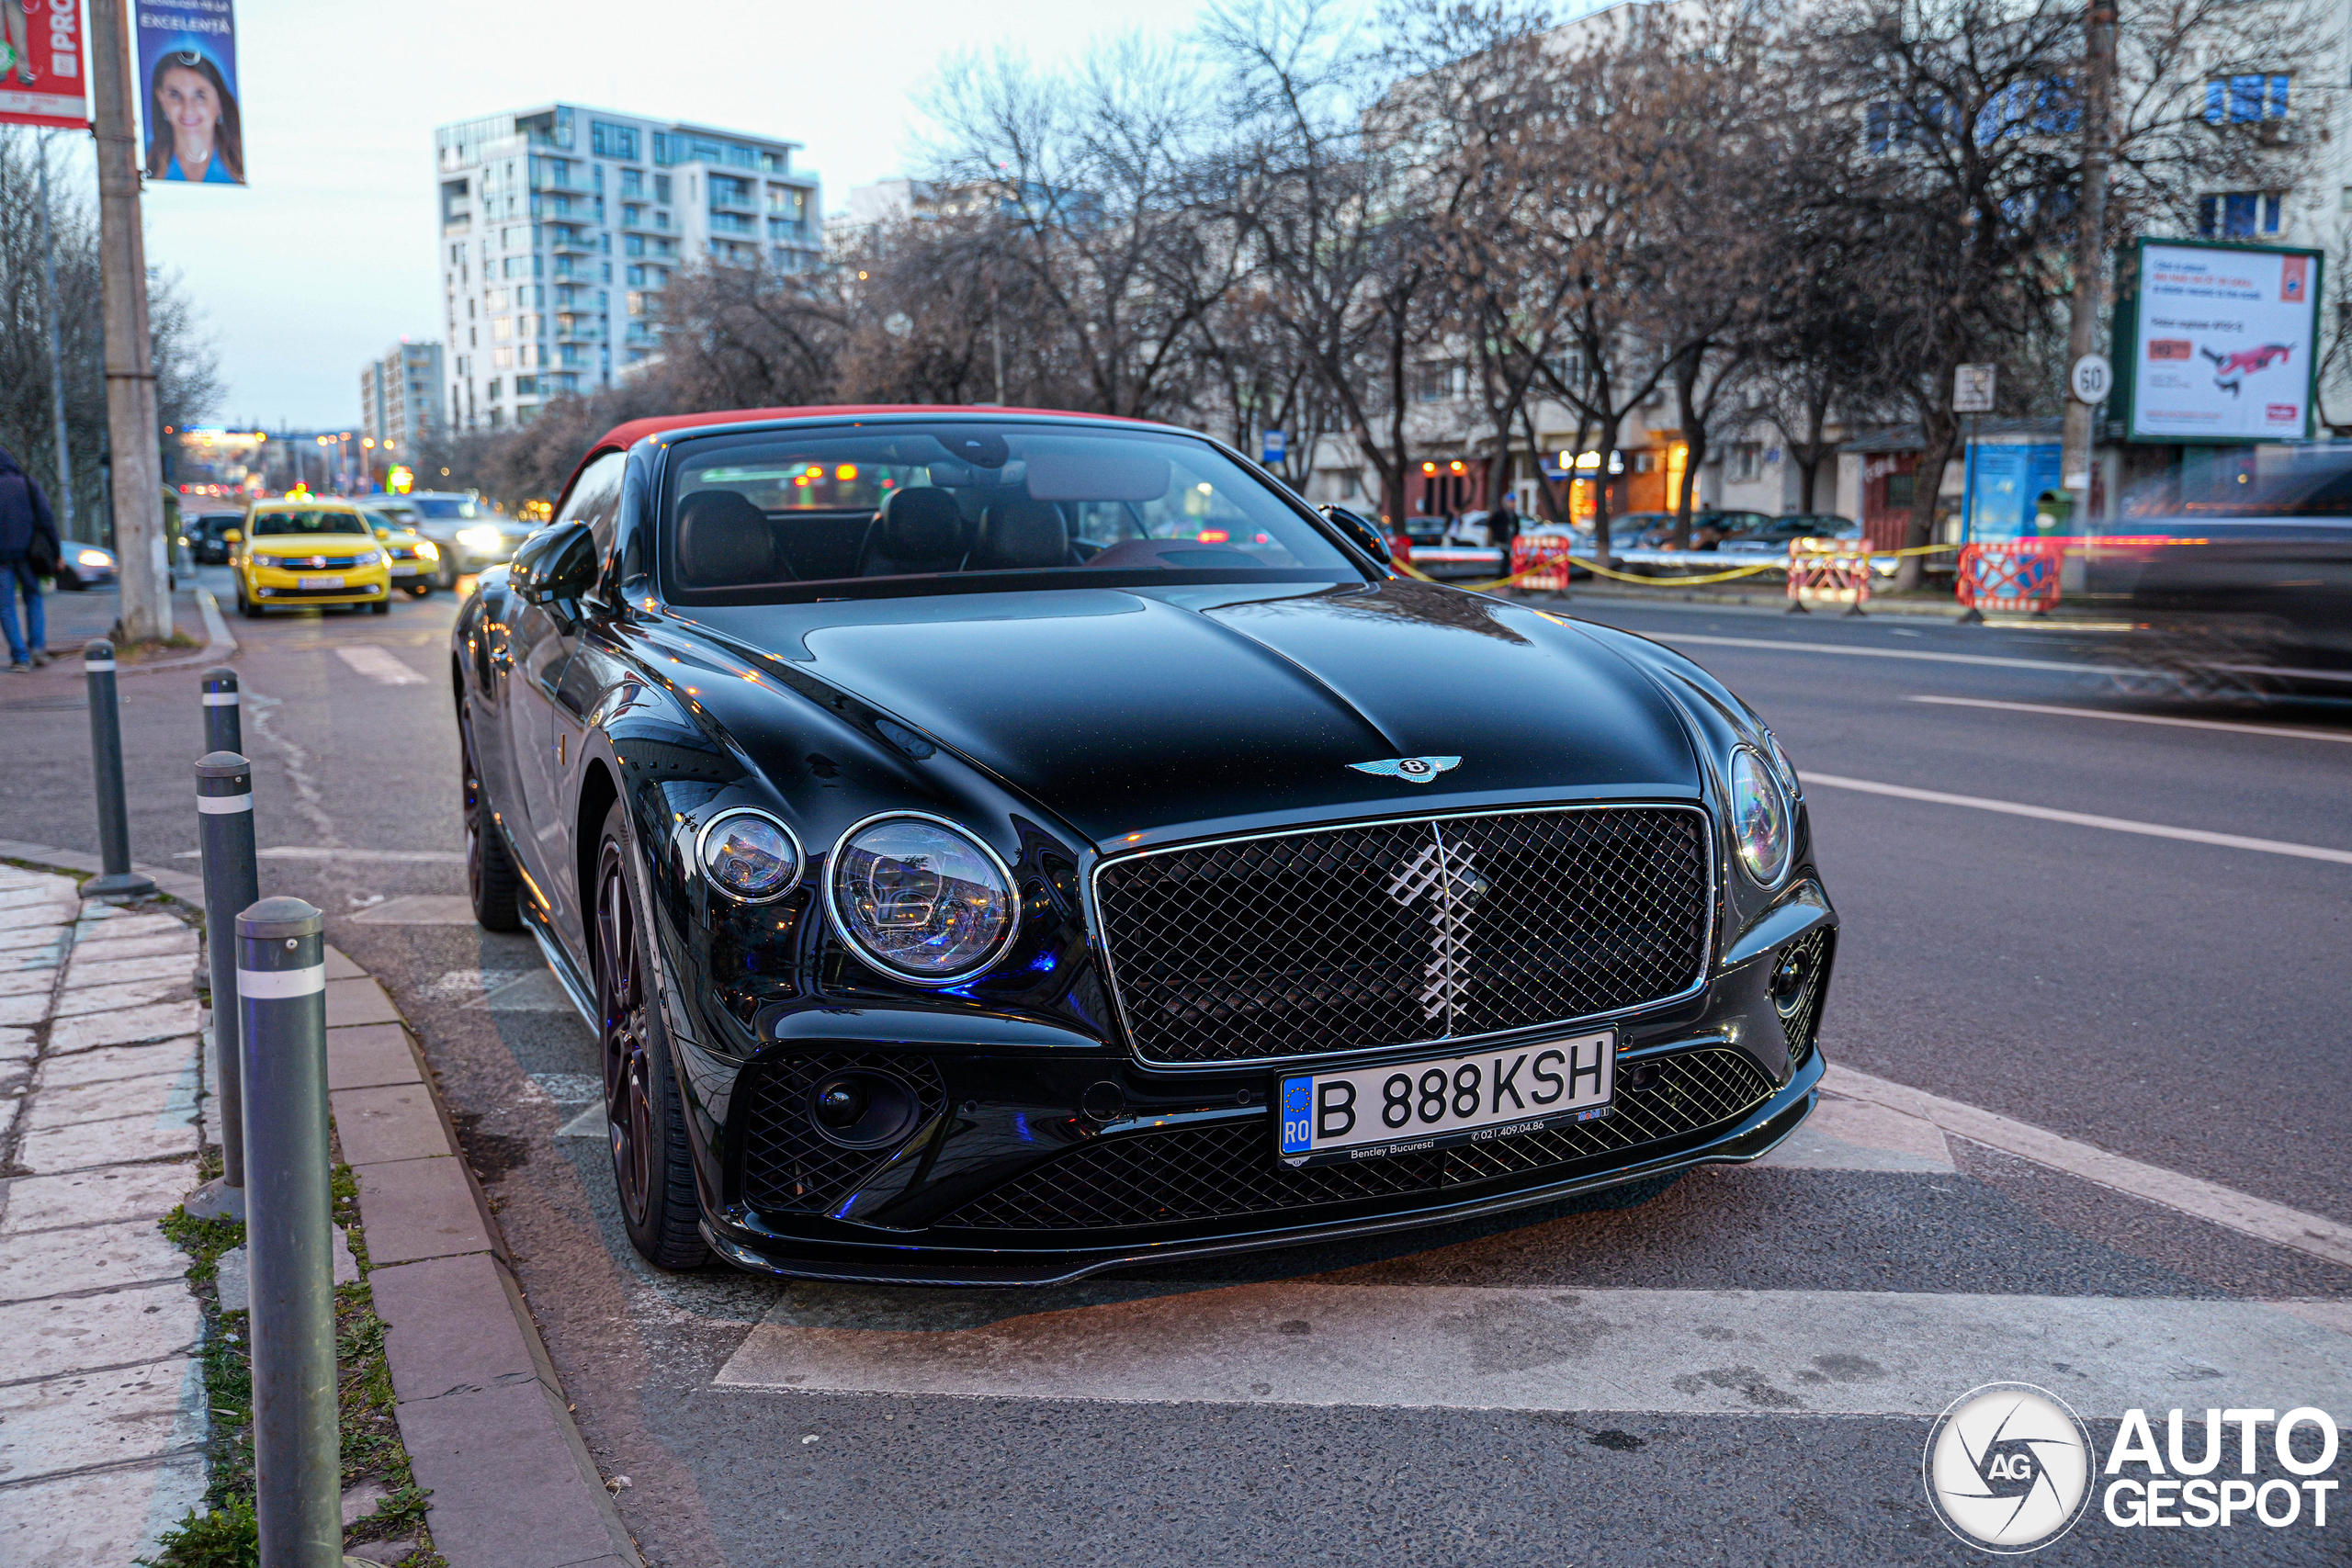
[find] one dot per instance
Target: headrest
(724, 539)
(921, 525)
(1021, 534)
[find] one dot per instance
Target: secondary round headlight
(749, 856)
(922, 898)
(1759, 818)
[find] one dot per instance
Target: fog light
(863, 1110)
(1788, 978)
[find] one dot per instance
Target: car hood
(1127, 712)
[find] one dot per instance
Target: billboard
(187, 76)
(2217, 342)
(40, 64)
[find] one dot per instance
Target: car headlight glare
(428, 550)
(921, 898)
(481, 539)
(750, 856)
(92, 558)
(1760, 826)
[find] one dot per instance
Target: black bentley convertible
(994, 847)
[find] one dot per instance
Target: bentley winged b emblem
(1412, 770)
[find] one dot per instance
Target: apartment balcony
(584, 329)
(573, 356)
(563, 240)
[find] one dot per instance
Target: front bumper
(273, 585)
(743, 1240)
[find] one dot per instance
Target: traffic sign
(1275, 444)
(2092, 378)
(1972, 388)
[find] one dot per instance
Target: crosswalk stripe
(1829, 1352)
(378, 664)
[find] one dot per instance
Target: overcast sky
(328, 258)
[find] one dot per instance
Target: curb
(479, 1407)
(220, 643)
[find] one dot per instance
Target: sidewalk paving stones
(102, 1416)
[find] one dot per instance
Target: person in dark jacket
(1502, 526)
(30, 552)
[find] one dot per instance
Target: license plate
(404, 568)
(320, 582)
(1373, 1112)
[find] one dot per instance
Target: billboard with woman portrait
(188, 73)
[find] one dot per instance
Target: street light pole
(2090, 251)
(132, 423)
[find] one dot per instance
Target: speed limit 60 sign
(2092, 378)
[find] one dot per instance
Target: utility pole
(2089, 376)
(56, 354)
(131, 365)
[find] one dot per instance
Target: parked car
(979, 844)
(308, 552)
(467, 536)
(1775, 537)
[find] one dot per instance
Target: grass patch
(221, 1533)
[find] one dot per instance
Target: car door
(545, 715)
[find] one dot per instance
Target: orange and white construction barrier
(2011, 574)
(1828, 571)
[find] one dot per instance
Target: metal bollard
(106, 760)
(224, 803)
(281, 998)
(224, 728)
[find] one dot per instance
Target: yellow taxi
(309, 551)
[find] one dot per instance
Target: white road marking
(2208, 1201)
(378, 664)
(420, 909)
(1994, 660)
(336, 851)
(2138, 719)
(1845, 1352)
(2083, 819)
(1860, 1135)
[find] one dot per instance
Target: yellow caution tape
(1560, 563)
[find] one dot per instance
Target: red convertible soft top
(623, 437)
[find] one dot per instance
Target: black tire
(646, 1126)
(491, 881)
(245, 606)
(382, 606)
(448, 575)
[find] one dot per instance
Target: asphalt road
(1740, 1369)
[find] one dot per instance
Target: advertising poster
(188, 75)
(40, 64)
(2222, 340)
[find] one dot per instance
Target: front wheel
(245, 606)
(382, 606)
(652, 1168)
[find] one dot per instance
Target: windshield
(268, 523)
(771, 510)
(446, 506)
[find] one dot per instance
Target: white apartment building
(561, 226)
(400, 401)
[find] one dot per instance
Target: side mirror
(555, 564)
(233, 535)
(1363, 533)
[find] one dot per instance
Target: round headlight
(922, 898)
(749, 856)
(1759, 818)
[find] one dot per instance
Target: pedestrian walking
(29, 551)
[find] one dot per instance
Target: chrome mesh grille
(1801, 1015)
(1204, 1173)
(787, 1166)
(1396, 934)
